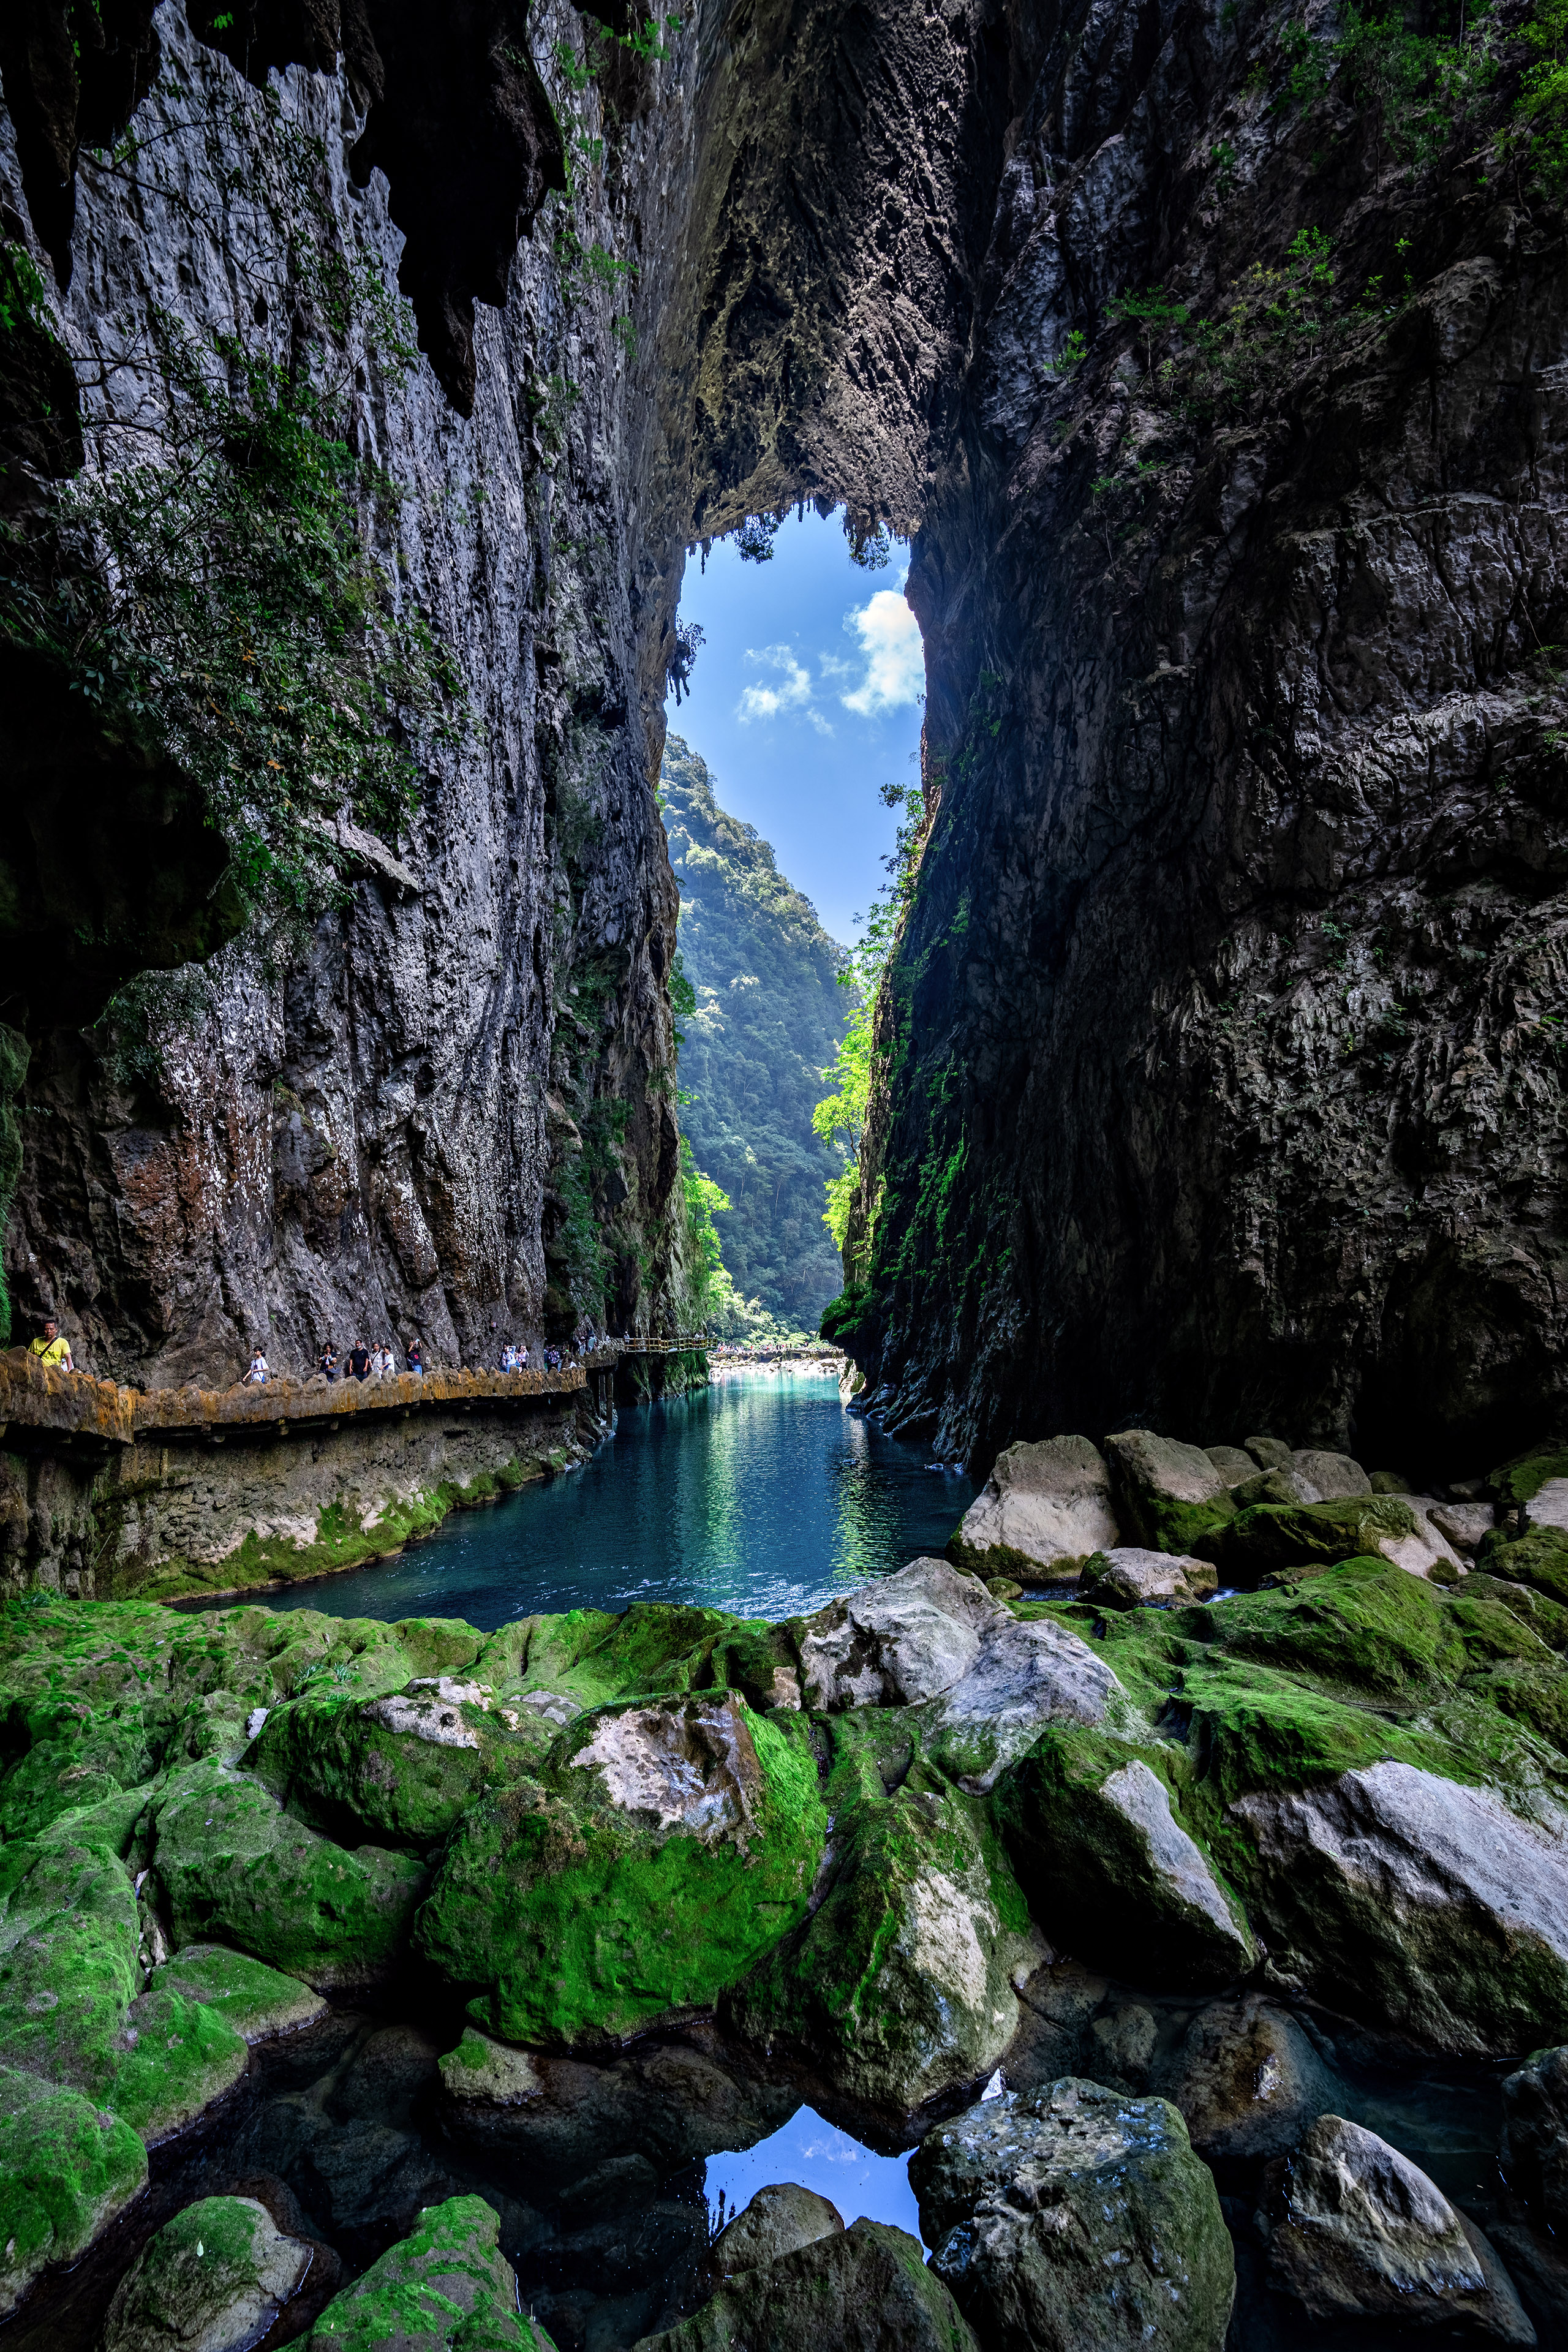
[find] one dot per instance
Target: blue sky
(806, 696)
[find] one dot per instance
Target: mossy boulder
(1077, 2220)
(68, 1972)
(1044, 1510)
(1272, 1536)
(179, 2057)
(446, 2287)
(256, 2000)
(1538, 1557)
(212, 2280)
(66, 2167)
(1519, 1480)
(1365, 1621)
(1107, 1867)
(899, 1988)
(1168, 1497)
(864, 2289)
(235, 1867)
(662, 1849)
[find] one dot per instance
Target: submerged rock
(1128, 1579)
(864, 2289)
(1439, 1905)
(1077, 2220)
(1043, 1510)
(213, 2280)
(661, 1851)
(447, 2284)
(1535, 2132)
(1248, 2080)
(1168, 1495)
(778, 2221)
(1365, 2234)
(1110, 1871)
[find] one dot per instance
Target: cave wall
(1218, 1083)
(385, 1139)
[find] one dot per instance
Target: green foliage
(1422, 83)
(1070, 357)
(24, 297)
(1542, 111)
(704, 1253)
(762, 1017)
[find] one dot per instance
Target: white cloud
(890, 639)
(791, 691)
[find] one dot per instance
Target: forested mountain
(768, 1018)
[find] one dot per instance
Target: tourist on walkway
(416, 1360)
(382, 1363)
(358, 1366)
(52, 1349)
(328, 1367)
(259, 1372)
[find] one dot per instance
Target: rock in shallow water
(1248, 2080)
(212, 2280)
(1434, 1900)
(1365, 2234)
(779, 2219)
(67, 2168)
(1043, 1510)
(446, 2285)
(1129, 1578)
(1077, 2220)
(1535, 2135)
(867, 2289)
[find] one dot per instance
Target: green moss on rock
(179, 2057)
(1538, 1557)
(1522, 1479)
(446, 2287)
(256, 2000)
(662, 1849)
(67, 2168)
(214, 2277)
(236, 1868)
(1366, 1621)
(1270, 1536)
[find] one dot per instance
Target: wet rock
(1058, 2002)
(66, 2167)
(1445, 1913)
(1365, 2234)
(1540, 2275)
(1025, 1676)
(560, 2118)
(236, 1866)
(1248, 2080)
(1077, 2220)
(1126, 1579)
(866, 2289)
(1167, 1495)
(900, 1986)
(1042, 1511)
(897, 1642)
(213, 2280)
(778, 2221)
(446, 2285)
(256, 2002)
(179, 2058)
(1535, 2132)
(1328, 1477)
(661, 1851)
(1109, 1869)
(1122, 2045)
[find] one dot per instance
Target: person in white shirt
(260, 1371)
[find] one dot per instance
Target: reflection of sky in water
(760, 1495)
(819, 2157)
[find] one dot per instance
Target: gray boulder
(1535, 2132)
(1110, 1871)
(1167, 1495)
(1234, 1466)
(903, 1639)
(1432, 1904)
(1129, 1578)
(1462, 1525)
(1325, 1478)
(864, 2289)
(779, 2220)
(213, 2280)
(1024, 1676)
(1044, 1508)
(1270, 1452)
(1365, 2234)
(1248, 2080)
(1077, 2220)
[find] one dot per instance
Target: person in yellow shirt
(52, 1349)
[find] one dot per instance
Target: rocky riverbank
(1078, 1891)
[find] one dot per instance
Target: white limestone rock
(1044, 1510)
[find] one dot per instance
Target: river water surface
(760, 1493)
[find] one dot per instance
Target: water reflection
(761, 1494)
(818, 2155)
